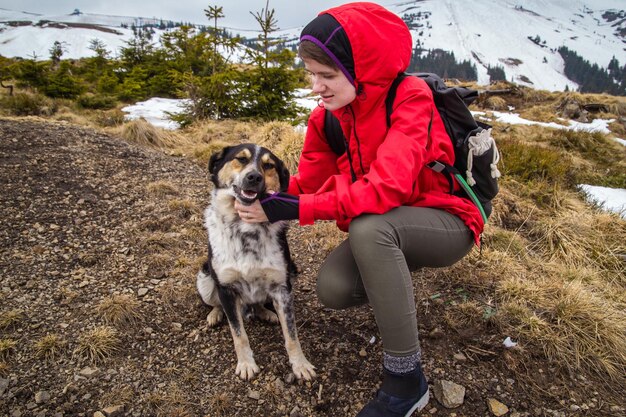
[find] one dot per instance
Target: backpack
(475, 153)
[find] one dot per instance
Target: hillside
(101, 239)
(523, 40)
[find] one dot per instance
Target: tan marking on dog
(272, 180)
(302, 368)
(246, 365)
(233, 167)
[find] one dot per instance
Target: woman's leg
(374, 265)
(386, 248)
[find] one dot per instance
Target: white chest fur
(249, 256)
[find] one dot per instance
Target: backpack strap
(333, 133)
(336, 140)
(451, 174)
(391, 96)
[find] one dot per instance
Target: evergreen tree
(62, 84)
(269, 86)
(496, 73)
(56, 52)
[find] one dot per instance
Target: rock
(449, 394)
(255, 395)
(42, 397)
(4, 384)
(142, 291)
(496, 407)
(114, 411)
(459, 357)
(362, 353)
(295, 412)
(290, 378)
(98, 414)
(88, 372)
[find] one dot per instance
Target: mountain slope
(521, 38)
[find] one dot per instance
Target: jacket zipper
(358, 146)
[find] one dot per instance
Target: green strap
(471, 195)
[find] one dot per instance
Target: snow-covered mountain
(521, 36)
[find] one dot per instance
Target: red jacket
(390, 165)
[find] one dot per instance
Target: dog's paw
(303, 369)
(215, 316)
(267, 315)
(246, 370)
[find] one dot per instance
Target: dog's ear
(216, 162)
(283, 174)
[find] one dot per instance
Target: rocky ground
(90, 223)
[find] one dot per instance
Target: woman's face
(331, 84)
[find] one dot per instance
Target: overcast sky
(289, 13)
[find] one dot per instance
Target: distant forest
(442, 63)
(593, 79)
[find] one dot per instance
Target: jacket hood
(370, 44)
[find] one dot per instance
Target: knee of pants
(370, 229)
(337, 292)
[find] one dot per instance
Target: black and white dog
(249, 264)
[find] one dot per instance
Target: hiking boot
(410, 394)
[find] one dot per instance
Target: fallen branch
(10, 87)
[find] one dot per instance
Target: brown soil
(86, 216)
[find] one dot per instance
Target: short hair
(309, 50)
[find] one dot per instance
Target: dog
(249, 264)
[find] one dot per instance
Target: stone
(142, 291)
(4, 384)
(496, 407)
(449, 394)
(98, 414)
(88, 372)
(42, 397)
(459, 357)
(114, 411)
(255, 395)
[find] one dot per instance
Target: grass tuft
(162, 188)
(99, 343)
(49, 347)
(119, 310)
(183, 209)
(7, 347)
(11, 318)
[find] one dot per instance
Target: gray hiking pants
(374, 265)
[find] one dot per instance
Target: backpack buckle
(436, 166)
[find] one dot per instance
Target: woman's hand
(251, 214)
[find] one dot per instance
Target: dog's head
(248, 170)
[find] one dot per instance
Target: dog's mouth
(245, 196)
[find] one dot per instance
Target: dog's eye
(242, 160)
(267, 166)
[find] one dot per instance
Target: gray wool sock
(401, 364)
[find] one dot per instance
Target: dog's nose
(254, 178)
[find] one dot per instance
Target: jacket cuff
(306, 215)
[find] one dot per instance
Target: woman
(399, 214)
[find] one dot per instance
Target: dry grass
(575, 328)
(183, 208)
(49, 347)
(7, 348)
(11, 318)
(143, 133)
(171, 402)
(119, 310)
(98, 344)
(495, 103)
(122, 395)
(162, 188)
